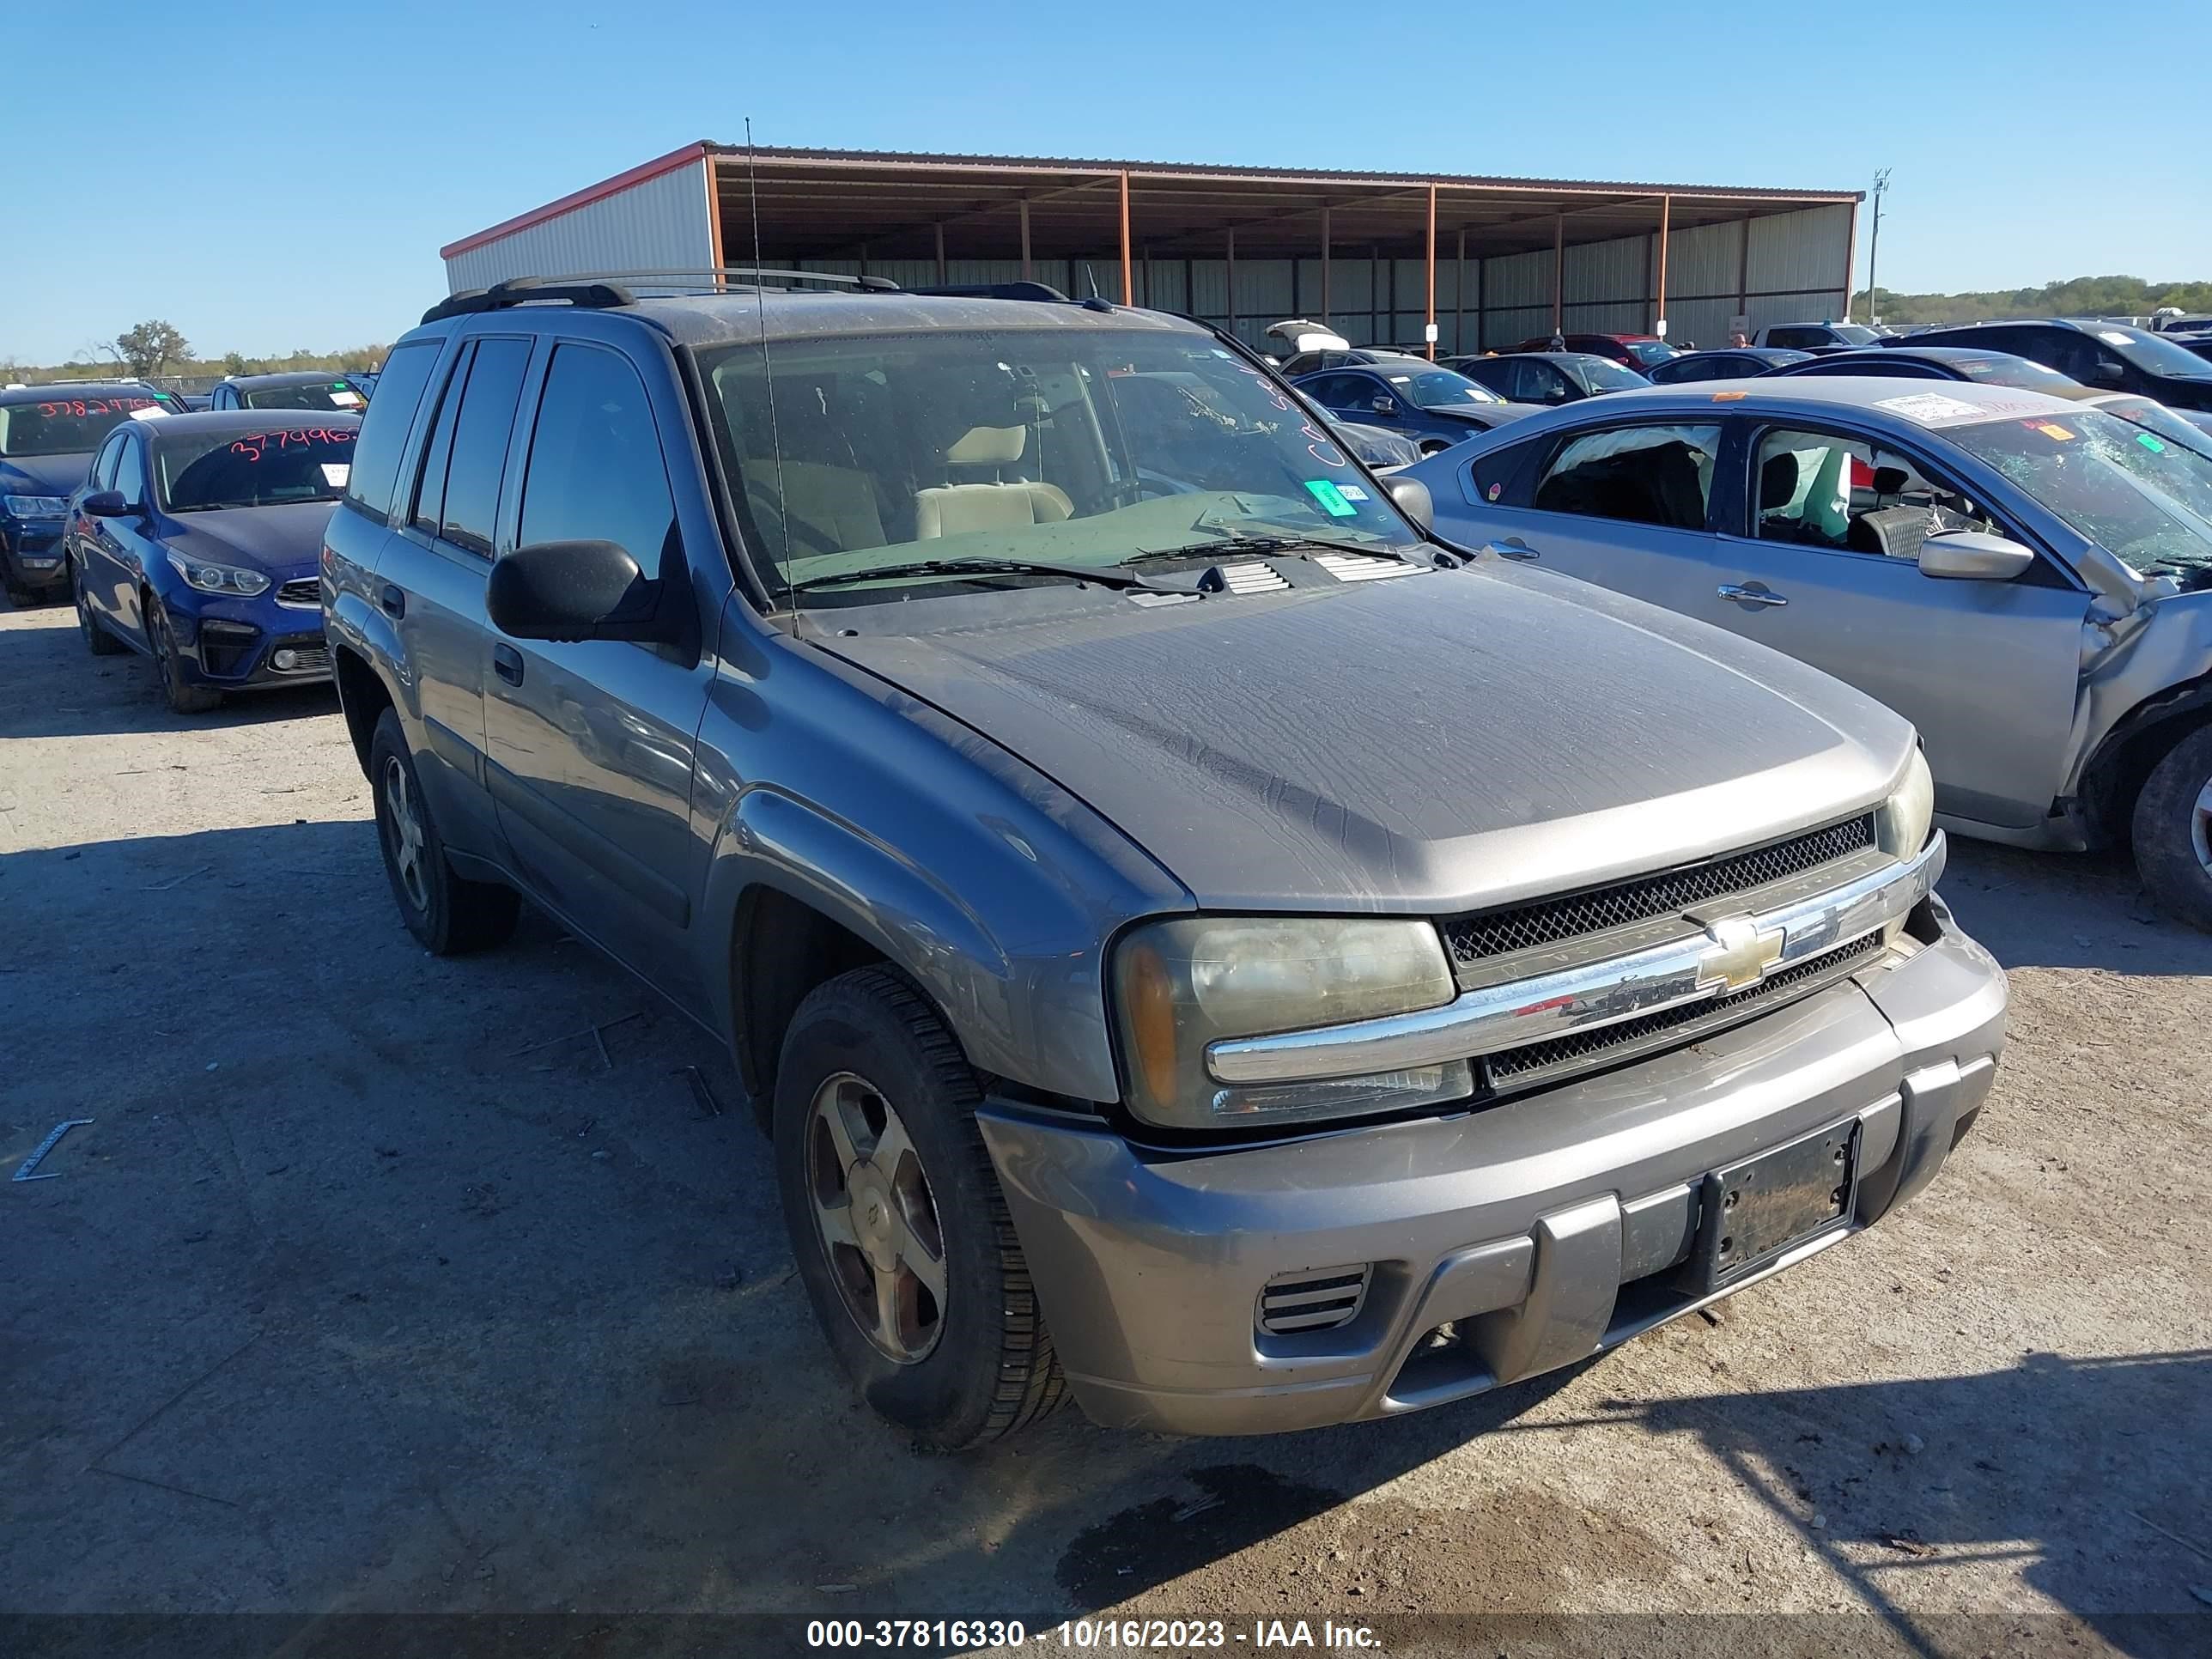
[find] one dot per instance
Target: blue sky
(266, 177)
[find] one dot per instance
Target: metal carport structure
(1380, 256)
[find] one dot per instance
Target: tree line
(2078, 296)
(156, 347)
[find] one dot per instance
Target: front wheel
(448, 915)
(902, 1236)
(2174, 829)
(179, 693)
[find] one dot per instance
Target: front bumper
(1535, 1232)
(32, 548)
(235, 644)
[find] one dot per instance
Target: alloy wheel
(2200, 825)
(876, 1217)
(403, 834)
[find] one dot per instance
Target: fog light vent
(1314, 1301)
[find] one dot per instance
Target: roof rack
(602, 291)
(1022, 290)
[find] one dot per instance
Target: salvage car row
(1213, 929)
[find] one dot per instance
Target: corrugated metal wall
(659, 224)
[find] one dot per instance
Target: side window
(130, 474)
(103, 466)
(1795, 338)
(479, 442)
(1546, 385)
(1494, 471)
(437, 453)
(1655, 475)
(1830, 490)
(382, 444)
(595, 472)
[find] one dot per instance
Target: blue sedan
(1436, 408)
(195, 540)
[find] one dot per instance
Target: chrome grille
(304, 593)
(1494, 932)
(1313, 1301)
(1538, 1062)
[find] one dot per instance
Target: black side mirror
(2107, 374)
(106, 504)
(565, 591)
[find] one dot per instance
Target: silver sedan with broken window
(2026, 580)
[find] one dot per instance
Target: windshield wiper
(1105, 575)
(1243, 542)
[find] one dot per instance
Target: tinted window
(323, 396)
(130, 474)
(67, 423)
(103, 468)
(1493, 472)
(383, 439)
(596, 472)
(1488, 371)
(479, 442)
(430, 486)
(1656, 475)
(1336, 390)
(1796, 337)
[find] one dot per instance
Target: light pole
(1873, 247)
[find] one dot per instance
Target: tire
(97, 639)
(449, 916)
(984, 1365)
(21, 598)
(182, 697)
(2174, 829)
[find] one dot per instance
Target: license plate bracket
(1756, 1209)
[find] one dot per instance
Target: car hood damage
(1433, 742)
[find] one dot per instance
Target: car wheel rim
(2200, 827)
(403, 834)
(876, 1217)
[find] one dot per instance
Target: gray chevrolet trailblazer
(1195, 943)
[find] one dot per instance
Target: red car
(1637, 351)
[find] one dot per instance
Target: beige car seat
(954, 509)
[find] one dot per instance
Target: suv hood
(43, 474)
(1432, 742)
(279, 541)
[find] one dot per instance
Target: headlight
(1901, 826)
(218, 578)
(1181, 984)
(37, 506)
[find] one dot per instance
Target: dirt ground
(384, 1285)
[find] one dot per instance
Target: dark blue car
(47, 436)
(1434, 407)
(196, 540)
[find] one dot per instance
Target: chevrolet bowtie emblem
(1741, 955)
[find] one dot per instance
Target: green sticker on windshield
(1331, 499)
(2150, 443)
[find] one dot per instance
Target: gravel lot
(381, 1284)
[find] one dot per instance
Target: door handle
(507, 663)
(393, 601)
(1752, 595)
(1512, 547)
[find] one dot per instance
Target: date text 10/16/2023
(1086, 1635)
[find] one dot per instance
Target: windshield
(1853, 333)
(2127, 489)
(1603, 374)
(2014, 372)
(322, 396)
(1648, 352)
(198, 472)
(2156, 417)
(1433, 388)
(72, 426)
(2156, 354)
(1065, 445)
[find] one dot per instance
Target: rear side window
(1654, 475)
(384, 427)
(1494, 472)
(430, 487)
(479, 443)
(595, 471)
